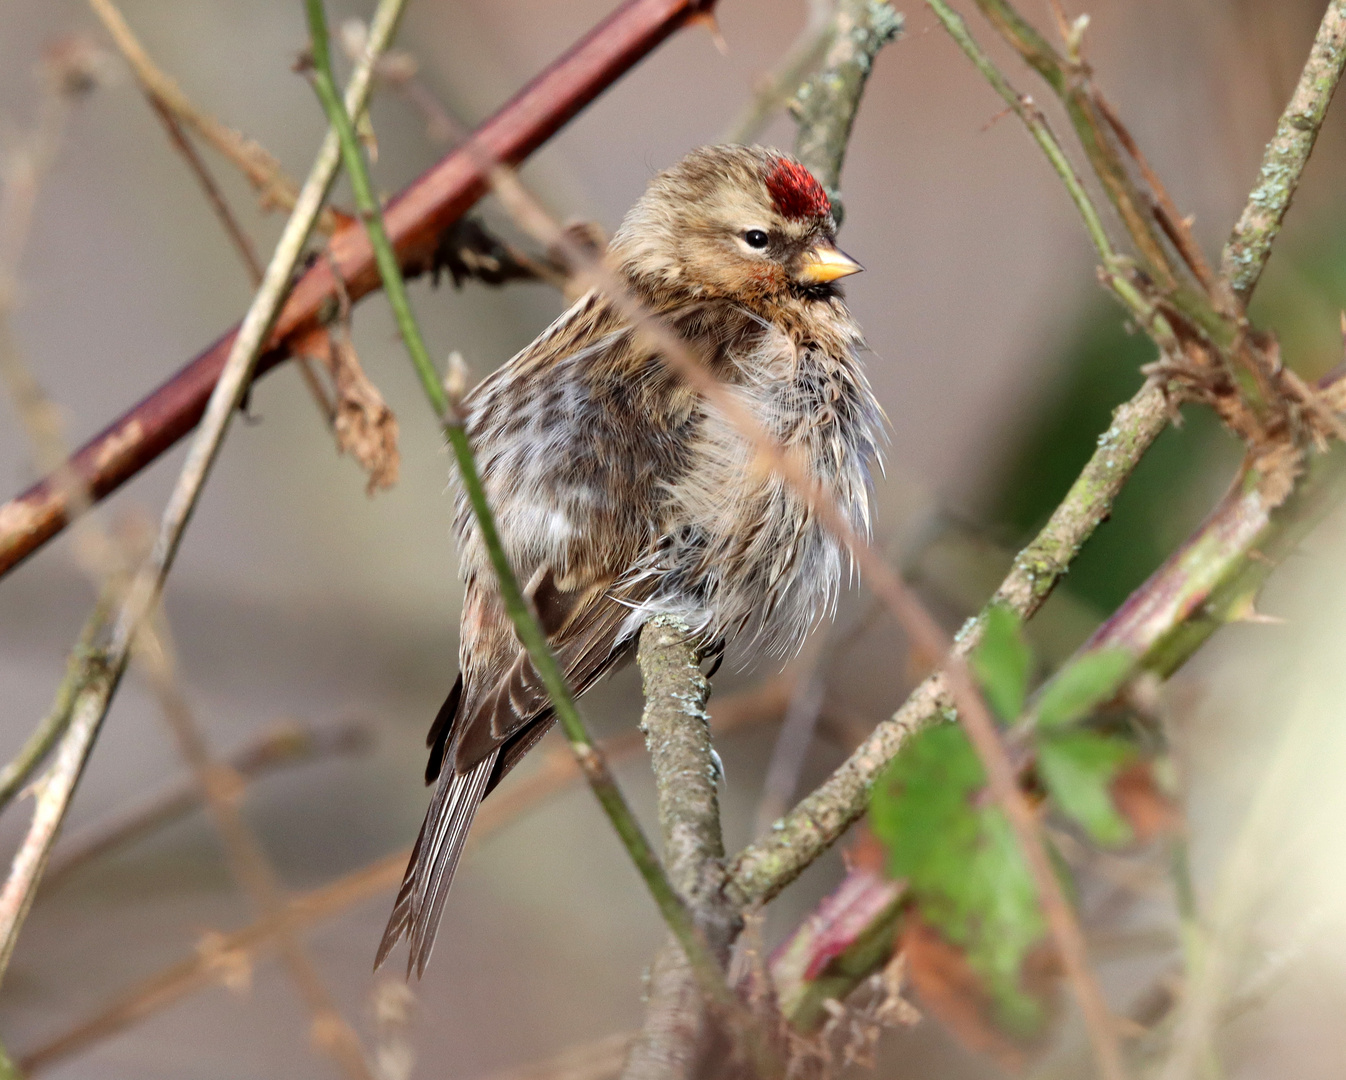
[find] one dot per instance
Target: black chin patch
(824, 290)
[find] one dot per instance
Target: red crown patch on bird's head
(795, 192)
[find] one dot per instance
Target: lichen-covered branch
(826, 104)
(1249, 246)
(680, 1028)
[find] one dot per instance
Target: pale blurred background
(994, 354)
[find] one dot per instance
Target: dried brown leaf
(365, 426)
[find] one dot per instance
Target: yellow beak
(827, 263)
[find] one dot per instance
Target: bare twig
(790, 751)
(247, 250)
(1032, 118)
(598, 1060)
(263, 171)
(1176, 227)
(778, 87)
(1069, 78)
(95, 691)
(217, 958)
(238, 236)
(48, 732)
(281, 747)
(222, 787)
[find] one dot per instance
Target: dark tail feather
(425, 887)
(400, 920)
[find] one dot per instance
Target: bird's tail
(420, 900)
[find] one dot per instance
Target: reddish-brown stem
(414, 221)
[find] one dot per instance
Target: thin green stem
(1033, 120)
(530, 632)
(1069, 81)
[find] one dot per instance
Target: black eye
(756, 238)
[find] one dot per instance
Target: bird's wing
(481, 737)
(589, 631)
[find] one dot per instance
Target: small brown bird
(620, 494)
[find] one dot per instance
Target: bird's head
(732, 222)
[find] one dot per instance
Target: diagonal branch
(1249, 245)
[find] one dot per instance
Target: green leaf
(1081, 686)
(1078, 768)
(962, 864)
(1002, 662)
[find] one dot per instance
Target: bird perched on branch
(620, 494)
